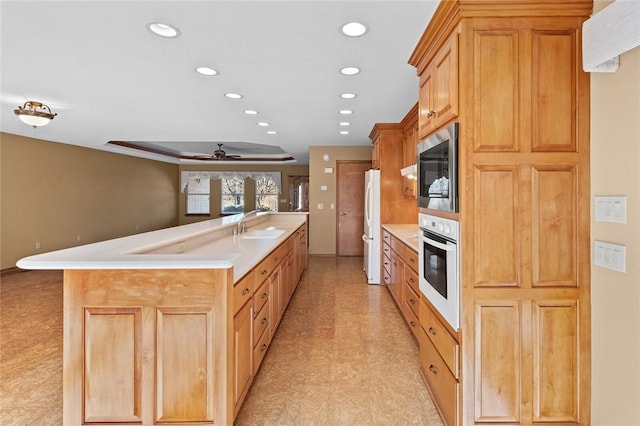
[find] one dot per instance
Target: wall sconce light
(34, 114)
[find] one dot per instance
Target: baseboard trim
(11, 271)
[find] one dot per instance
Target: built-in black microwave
(438, 170)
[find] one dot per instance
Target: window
(198, 196)
(266, 194)
(232, 195)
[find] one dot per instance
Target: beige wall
(322, 222)
(249, 199)
(52, 193)
(615, 296)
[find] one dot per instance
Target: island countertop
(202, 245)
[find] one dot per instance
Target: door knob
(343, 214)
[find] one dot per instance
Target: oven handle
(446, 247)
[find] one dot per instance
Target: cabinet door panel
(184, 366)
(496, 89)
(426, 109)
(554, 90)
(554, 226)
(445, 98)
(242, 354)
(555, 361)
(112, 365)
(498, 361)
(496, 249)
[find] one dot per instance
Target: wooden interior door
(350, 207)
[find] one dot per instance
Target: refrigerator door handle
(365, 238)
(367, 202)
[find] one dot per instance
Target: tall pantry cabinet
(510, 73)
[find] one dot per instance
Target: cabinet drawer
(411, 259)
(261, 297)
(397, 246)
(443, 385)
(386, 264)
(260, 350)
(386, 250)
(411, 278)
(386, 237)
(242, 292)
(260, 323)
(263, 270)
(411, 300)
(412, 320)
(446, 345)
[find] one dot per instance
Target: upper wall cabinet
(438, 93)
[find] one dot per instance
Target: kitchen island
(163, 327)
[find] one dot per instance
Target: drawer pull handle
(265, 296)
(277, 258)
(412, 260)
(432, 331)
(264, 321)
(245, 291)
(433, 369)
(413, 302)
(263, 348)
(411, 280)
(412, 323)
(255, 315)
(264, 272)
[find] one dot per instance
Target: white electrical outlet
(611, 256)
(320, 206)
(37, 244)
(78, 237)
(180, 247)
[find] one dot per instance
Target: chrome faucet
(240, 227)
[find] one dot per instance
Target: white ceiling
(109, 78)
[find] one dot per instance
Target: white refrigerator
(371, 235)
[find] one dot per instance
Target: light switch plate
(610, 255)
(328, 169)
(611, 209)
(323, 188)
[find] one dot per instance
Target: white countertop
(204, 245)
(407, 233)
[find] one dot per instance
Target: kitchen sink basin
(262, 233)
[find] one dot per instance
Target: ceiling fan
(220, 154)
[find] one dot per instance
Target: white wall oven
(438, 170)
(439, 265)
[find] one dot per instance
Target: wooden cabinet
(522, 102)
(410, 142)
(438, 89)
(399, 272)
(242, 354)
(388, 142)
(375, 155)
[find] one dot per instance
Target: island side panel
(147, 346)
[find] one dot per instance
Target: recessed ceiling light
(354, 29)
(250, 112)
(206, 71)
(233, 95)
(163, 30)
(271, 132)
(349, 70)
(345, 123)
(348, 95)
(346, 112)
(263, 124)
(344, 132)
